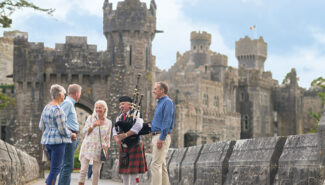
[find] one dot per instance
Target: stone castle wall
(6, 60)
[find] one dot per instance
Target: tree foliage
(286, 79)
(5, 100)
(319, 83)
(8, 7)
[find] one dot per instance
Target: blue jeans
(68, 163)
(56, 153)
(90, 171)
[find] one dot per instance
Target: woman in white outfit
(91, 146)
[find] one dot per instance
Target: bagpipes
(130, 120)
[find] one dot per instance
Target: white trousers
(158, 166)
(84, 170)
(129, 179)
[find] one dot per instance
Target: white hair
(102, 102)
(56, 90)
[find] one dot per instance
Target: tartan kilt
(137, 160)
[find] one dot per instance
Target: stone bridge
(292, 160)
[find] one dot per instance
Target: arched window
(206, 99)
(216, 101)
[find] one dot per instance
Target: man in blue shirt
(74, 93)
(162, 126)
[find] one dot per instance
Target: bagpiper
(132, 161)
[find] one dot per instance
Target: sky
(294, 30)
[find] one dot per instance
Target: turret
(200, 47)
(251, 54)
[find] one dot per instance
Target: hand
(117, 140)
(96, 123)
(160, 143)
(74, 136)
(121, 136)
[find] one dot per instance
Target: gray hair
(102, 102)
(74, 88)
(56, 90)
(163, 85)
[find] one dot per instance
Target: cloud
(318, 34)
(309, 63)
(176, 37)
(258, 2)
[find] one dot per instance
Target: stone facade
(203, 87)
(223, 99)
(6, 55)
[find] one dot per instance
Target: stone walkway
(74, 181)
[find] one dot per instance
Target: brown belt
(155, 133)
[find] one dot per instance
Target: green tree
(286, 79)
(8, 7)
(320, 83)
(5, 100)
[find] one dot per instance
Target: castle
(214, 102)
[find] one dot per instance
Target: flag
(252, 27)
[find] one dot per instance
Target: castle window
(206, 99)
(206, 68)
(201, 47)
(246, 122)
(242, 96)
(216, 101)
(194, 47)
(114, 58)
(130, 57)
(147, 57)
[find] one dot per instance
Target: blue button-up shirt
(163, 120)
(68, 107)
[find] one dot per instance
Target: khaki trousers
(84, 170)
(158, 166)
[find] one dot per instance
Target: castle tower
(200, 47)
(129, 31)
(251, 54)
(6, 55)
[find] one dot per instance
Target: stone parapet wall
(300, 161)
(17, 167)
(288, 160)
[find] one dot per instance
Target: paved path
(74, 181)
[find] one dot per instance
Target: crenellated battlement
(130, 15)
(219, 60)
(247, 47)
(201, 36)
(16, 35)
(251, 54)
